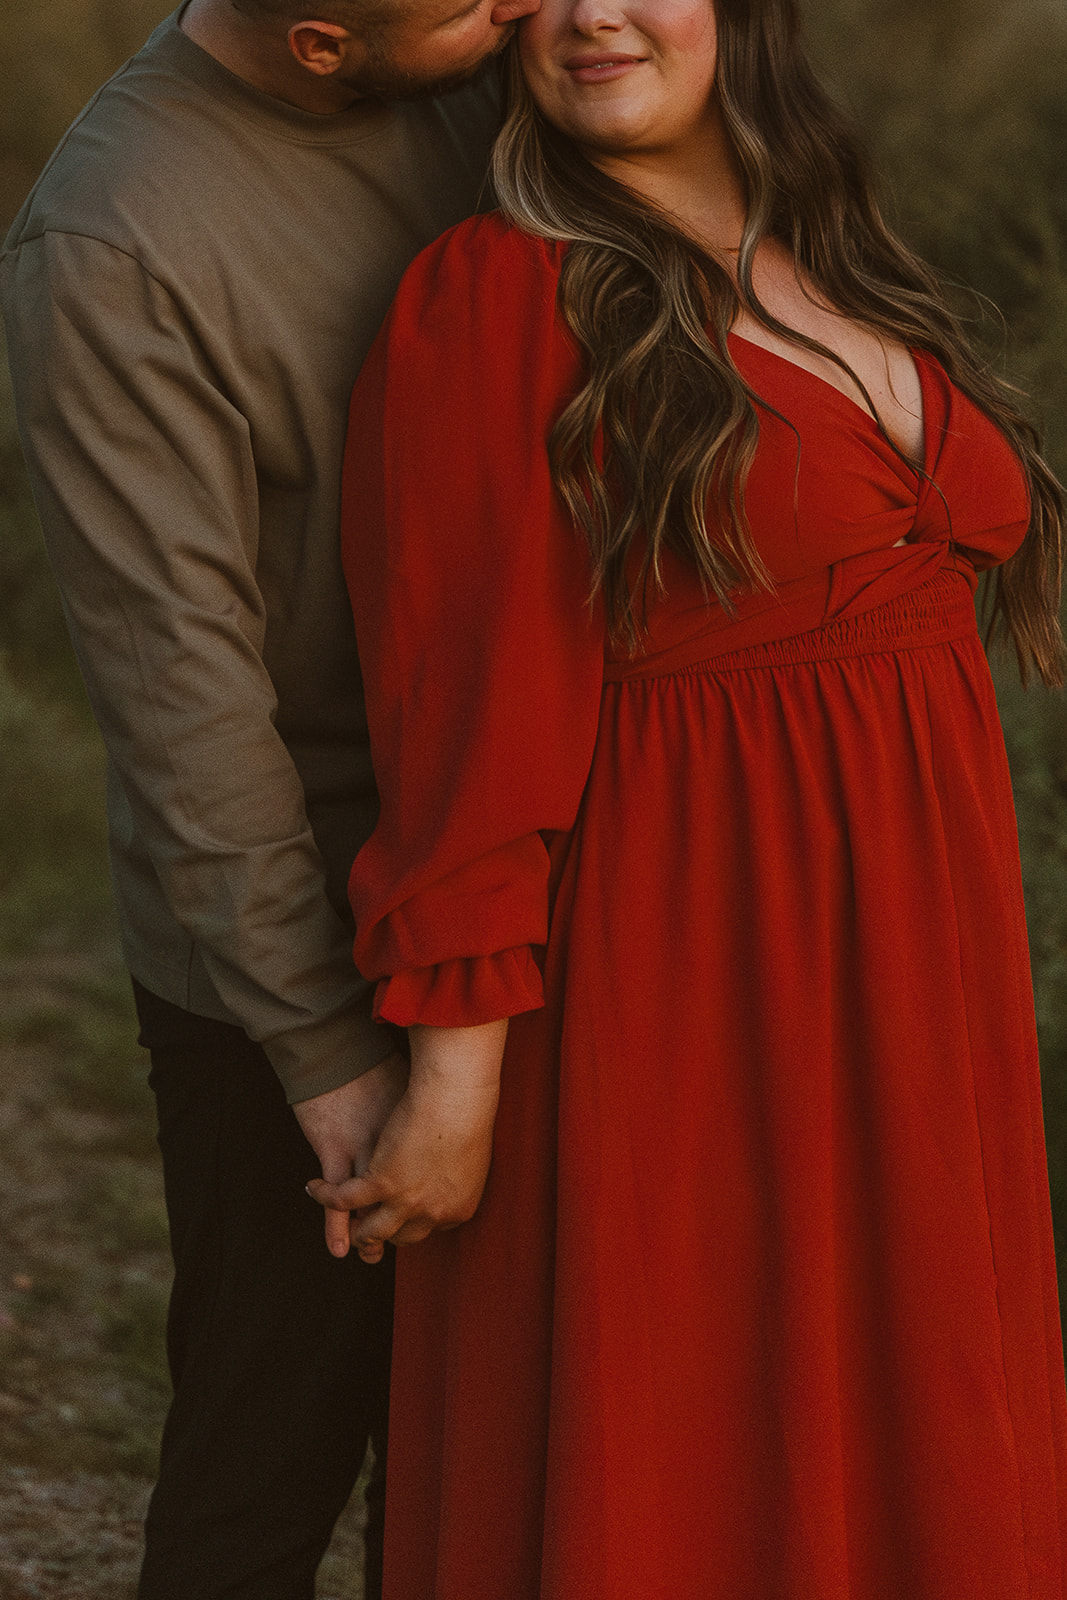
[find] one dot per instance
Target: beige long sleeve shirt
(188, 294)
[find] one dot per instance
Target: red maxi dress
(759, 1303)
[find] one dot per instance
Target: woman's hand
(430, 1164)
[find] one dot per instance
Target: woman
(759, 1299)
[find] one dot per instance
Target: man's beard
(380, 78)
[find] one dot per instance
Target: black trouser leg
(279, 1353)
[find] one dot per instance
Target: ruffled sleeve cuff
(464, 992)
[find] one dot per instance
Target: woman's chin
(607, 135)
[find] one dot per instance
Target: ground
(84, 1273)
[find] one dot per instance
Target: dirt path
(84, 1274)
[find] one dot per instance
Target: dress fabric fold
(760, 1301)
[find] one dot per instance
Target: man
(189, 292)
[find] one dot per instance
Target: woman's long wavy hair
(665, 427)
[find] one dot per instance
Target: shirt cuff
(464, 992)
(328, 1054)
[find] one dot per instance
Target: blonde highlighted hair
(662, 436)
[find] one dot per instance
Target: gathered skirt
(759, 1303)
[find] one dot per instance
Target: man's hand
(429, 1167)
(343, 1126)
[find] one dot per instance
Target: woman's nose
(596, 16)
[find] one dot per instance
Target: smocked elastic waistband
(935, 612)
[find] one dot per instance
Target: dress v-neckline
(916, 466)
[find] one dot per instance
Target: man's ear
(319, 46)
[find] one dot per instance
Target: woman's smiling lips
(600, 67)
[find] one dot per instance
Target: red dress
(759, 1303)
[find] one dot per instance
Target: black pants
(279, 1353)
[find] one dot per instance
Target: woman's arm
(429, 1167)
(483, 668)
(482, 661)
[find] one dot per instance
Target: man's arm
(144, 479)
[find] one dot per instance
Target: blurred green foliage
(964, 109)
(52, 874)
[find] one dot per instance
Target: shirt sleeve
(144, 477)
(482, 658)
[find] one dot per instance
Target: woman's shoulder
(487, 253)
(478, 310)
(489, 234)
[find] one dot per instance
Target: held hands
(342, 1127)
(430, 1164)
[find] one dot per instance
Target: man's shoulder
(173, 142)
(120, 144)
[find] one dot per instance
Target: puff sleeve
(482, 658)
